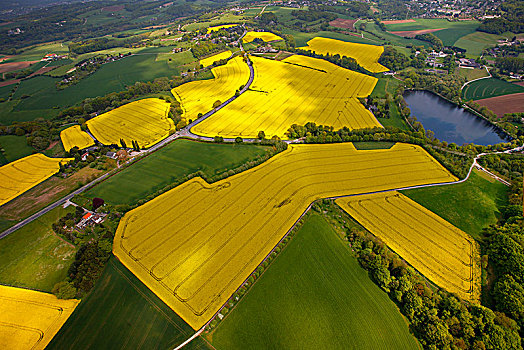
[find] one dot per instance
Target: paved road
(185, 132)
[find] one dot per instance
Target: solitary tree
(261, 135)
(238, 139)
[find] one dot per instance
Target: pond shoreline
(445, 117)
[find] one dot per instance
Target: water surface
(449, 122)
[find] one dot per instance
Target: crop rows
(208, 61)
(30, 319)
(265, 36)
(75, 137)
(366, 55)
(20, 175)
(145, 121)
(440, 251)
(284, 93)
(194, 245)
(199, 96)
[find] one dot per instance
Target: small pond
(449, 122)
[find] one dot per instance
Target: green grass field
(227, 18)
(122, 313)
(33, 256)
(471, 205)
(37, 52)
(314, 296)
(475, 42)
(471, 74)
(179, 158)
(15, 147)
(389, 85)
(453, 30)
(45, 100)
(5, 91)
(489, 88)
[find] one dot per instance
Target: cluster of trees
(205, 48)
(65, 225)
(312, 15)
(505, 252)
(432, 39)
(511, 12)
(437, 318)
(449, 86)
(342, 61)
(393, 59)
(90, 45)
(39, 132)
(510, 64)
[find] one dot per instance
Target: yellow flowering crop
(265, 36)
(199, 96)
(30, 319)
(194, 245)
(22, 174)
(211, 59)
(366, 55)
(74, 136)
(223, 26)
(440, 251)
(287, 93)
(145, 121)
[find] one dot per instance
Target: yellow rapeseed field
(29, 319)
(211, 59)
(437, 249)
(195, 245)
(287, 93)
(75, 137)
(366, 55)
(22, 174)
(223, 26)
(199, 96)
(265, 36)
(145, 121)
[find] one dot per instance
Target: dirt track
(413, 33)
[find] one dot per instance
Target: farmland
(29, 319)
(75, 137)
(15, 147)
(199, 96)
(42, 195)
(178, 159)
(121, 312)
(34, 256)
(144, 121)
(194, 262)
(491, 87)
(438, 250)
(501, 105)
(470, 206)
(448, 31)
(366, 55)
(208, 61)
(223, 26)
(295, 91)
(146, 65)
(265, 36)
(20, 175)
(287, 309)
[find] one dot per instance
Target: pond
(449, 122)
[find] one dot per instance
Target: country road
(185, 132)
